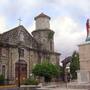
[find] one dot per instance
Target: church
(20, 51)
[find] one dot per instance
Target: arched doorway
(65, 70)
(20, 71)
(3, 70)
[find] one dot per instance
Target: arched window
(3, 70)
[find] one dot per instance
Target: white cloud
(3, 1)
(68, 35)
(31, 27)
(2, 24)
(77, 7)
(29, 3)
(83, 4)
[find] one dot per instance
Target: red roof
(41, 15)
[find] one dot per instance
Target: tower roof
(42, 15)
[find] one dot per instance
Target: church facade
(20, 50)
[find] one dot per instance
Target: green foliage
(74, 65)
(61, 72)
(46, 70)
(2, 79)
(30, 82)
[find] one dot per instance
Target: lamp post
(21, 39)
(66, 76)
(19, 55)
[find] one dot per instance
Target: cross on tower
(19, 21)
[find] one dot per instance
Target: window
(3, 52)
(3, 70)
(50, 45)
(21, 36)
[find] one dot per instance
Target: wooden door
(20, 71)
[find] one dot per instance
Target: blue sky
(68, 19)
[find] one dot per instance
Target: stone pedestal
(83, 76)
(84, 55)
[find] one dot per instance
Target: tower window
(50, 45)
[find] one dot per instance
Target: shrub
(30, 82)
(46, 70)
(2, 79)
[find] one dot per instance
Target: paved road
(42, 89)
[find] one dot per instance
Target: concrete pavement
(66, 89)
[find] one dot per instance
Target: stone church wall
(30, 57)
(54, 59)
(13, 58)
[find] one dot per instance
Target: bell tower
(42, 21)
(42, 33)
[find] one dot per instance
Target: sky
(68, 19)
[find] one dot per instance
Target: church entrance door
(20, 71)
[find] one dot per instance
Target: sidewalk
(58, 86)
(66, 89)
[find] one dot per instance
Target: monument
(84, 55)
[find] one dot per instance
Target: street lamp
(19, 54)
(20, 45)
(67, 70)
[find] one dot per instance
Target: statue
(88, 27)
(21, 36)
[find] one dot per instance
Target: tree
(46, 70)
(74, 65)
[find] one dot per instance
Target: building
(20, 51)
